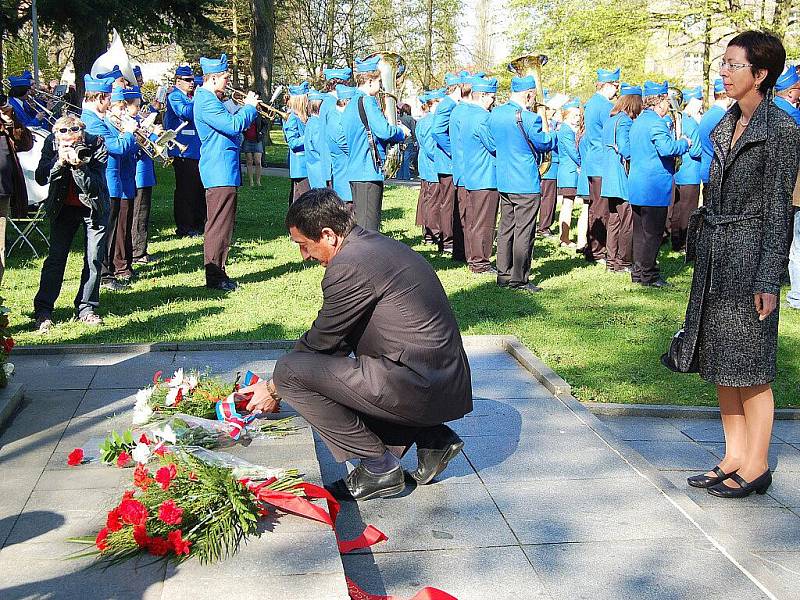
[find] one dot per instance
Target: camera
(83, 151)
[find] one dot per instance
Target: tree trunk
(262, 42)
(91, 40)
(427, 75)
(330, 24)
(707, 59)
(2, 63)
(780, 20)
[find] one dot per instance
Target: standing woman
(253, 148)
(337, 143)
(617, 148)
(294, 130)
(742, 245)
(569, 163)
(315, 143)
(688, 177)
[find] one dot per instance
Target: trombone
(156, 149)
(267, 111)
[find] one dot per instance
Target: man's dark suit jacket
(384, 302)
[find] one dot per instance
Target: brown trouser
(620, 234)
(423, 192)
(141, 221)
(685, 201)
(598, 221)
(189, 200)
(298, 188)
(432, 212)
(446, 203)
(5, 212)
(459, 224)
(481, 226)
(119, 246)
(221, 217)
(547, 212)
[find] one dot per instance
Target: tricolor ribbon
(226, 411)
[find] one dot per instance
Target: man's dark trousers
(141, 221)
(221, 206)
(515, 236)
(648, 231)
(598, 221)
(368, 201)
(447, 207)
(62, 232)
(189, 201)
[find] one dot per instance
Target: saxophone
(531, 64)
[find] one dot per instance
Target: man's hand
(265, 399)
(129, 125)
(251, 99)
(765, 304)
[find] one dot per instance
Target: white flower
(172, 395)
(177, 378)
(142, 414)
(166, 434)
(141, 454)
(8, 368)
(144, 394)
(192, 382)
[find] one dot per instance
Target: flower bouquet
(194, 394)
(6, 345)
(186, 508)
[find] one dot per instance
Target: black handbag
(675, 358)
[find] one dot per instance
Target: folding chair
(26, 228)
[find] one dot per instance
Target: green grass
(597, 330)
(277, 153)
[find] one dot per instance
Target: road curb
(10, 397)
(671, 411)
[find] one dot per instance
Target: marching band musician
(688, 176)
(117, 76)
(479, 176)
(596, 113)
(188, 200)
(294, 129)
(119, 144)
(440, 129)
(333, 79)
(460, 207)
(145, 180)
(787, 92)
(367, 132)
(569, 164)
(121, 179)
(653, 152)
(317, 154)
(422, 199)
(337, 143)
(220, 171)
(710, 119)
(614, 187)
(547, 212)
(19, 97)
(426, 166)
(519, 140)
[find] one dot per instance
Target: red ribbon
(428, 593)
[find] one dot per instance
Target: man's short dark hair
(764, 51)
(317, 209)
(18, 91)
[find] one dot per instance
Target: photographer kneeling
(74, 164)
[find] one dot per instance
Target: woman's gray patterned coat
(740, 241)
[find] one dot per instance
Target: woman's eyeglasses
(73, 129)
(723, 65)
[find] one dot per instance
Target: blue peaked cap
(184, 71)
(198, 80)
(423, 97)
(719, 86)
(482, 84)
(692, 93)
(117, 93)
(574, 103)
(607, 76)
(787, 79)
(451, 79)
(651, 88)
(368, 64)
(627, 89)
(214, 65)
(315, 95)
(523, 84)
(344, 73)
(20, 81)
(299, 90)
(137, 71)
(114, 73)
(437, 94)
(97, 84)
(345, 92)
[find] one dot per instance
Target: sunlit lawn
(597, 330)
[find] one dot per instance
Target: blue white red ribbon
(227, 409)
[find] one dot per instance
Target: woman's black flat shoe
(759, 485)
(704, 481)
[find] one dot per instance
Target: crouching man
(383, 366)
(73, 162)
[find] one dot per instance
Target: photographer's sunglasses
(73, 129)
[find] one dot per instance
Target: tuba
(392, 66)
(675, 104)
(531, 64)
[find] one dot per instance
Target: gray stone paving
(541, 503)
(767, 526)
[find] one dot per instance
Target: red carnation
(8, 344)
(157, 376)
(179, 545)
(101, 539)
(144, 439)
(112, 521)
(161, 450)
(170, 513)
(140, 536)
(127, 495)
(75, 457)
(133, 512)
(158, 546)
(141, 477)
(165, 475)
(123, 459)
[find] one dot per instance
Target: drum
(29, 161)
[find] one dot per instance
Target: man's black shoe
(432, 461)
(360, 484)
(228, 285)
(528, 287)
(658, 283)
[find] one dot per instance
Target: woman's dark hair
(317, 209)
(631, 105)
(314, 106)
(764, 51)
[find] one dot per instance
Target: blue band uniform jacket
(569, 159)
(617, 150)
(361, 164)
(180, 109)
(294, 131)
(691, 169)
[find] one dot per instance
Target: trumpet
(267, 111)
(155, 145)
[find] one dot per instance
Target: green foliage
(19, 56)
(199, 402)
(114, 445)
